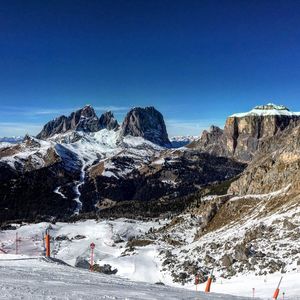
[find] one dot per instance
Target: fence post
(209, 280)
(276, 293)
(47, 243)
(196, 281)
(92, 245)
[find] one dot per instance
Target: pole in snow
(196, 281)
(17, 250)
(276, 293)
(208, 283)
(253, 292)
(47, 243)
(92, 246)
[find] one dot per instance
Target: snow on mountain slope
(31, 151)
(267, 110)
(86, 147)
(250, 242)
(10, 140)
(41, 278)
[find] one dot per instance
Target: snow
(5, 144)
(267, 110)
(159, 161)
(142, 265)
(41, 278)
(80, 150)
(264, 285)
(109, 174)
(77, 187)
(136, 141)
(34, 153)
(57, 191)
(267, 196)
(90, 148)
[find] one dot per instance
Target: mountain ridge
(244, 132)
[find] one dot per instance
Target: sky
(196, 61)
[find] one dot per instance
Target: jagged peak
(214, 128)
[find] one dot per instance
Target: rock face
(147, 123)
(276, 165)
(244, 132)
(107, 120)
(211, 141)
(84, 119)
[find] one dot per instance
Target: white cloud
(16, 128)
(37, 111)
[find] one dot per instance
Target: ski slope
(72, 240)
(23, 277)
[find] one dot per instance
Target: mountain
(181, 140)
(244, 132)
(213, 210)
(276, 165)
(83, 119)
(147, 123)
(12, 139)
(107, 120)
(85, 164)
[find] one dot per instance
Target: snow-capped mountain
(269, 109)
(213, 211)
(11, 139)
(84, 167)
(181, 140)
(8, 141)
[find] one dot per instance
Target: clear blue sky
(195, 61)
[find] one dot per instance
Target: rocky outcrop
(84, 119)
(107, 120)
(147, 123)
(245, 132)
(276, 165)
(211, 141)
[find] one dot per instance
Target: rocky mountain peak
(87, 111)
(107, 120)
(147, 123)
(84, 119)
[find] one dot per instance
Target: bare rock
(147, 123)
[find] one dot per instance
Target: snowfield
(40, 278)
